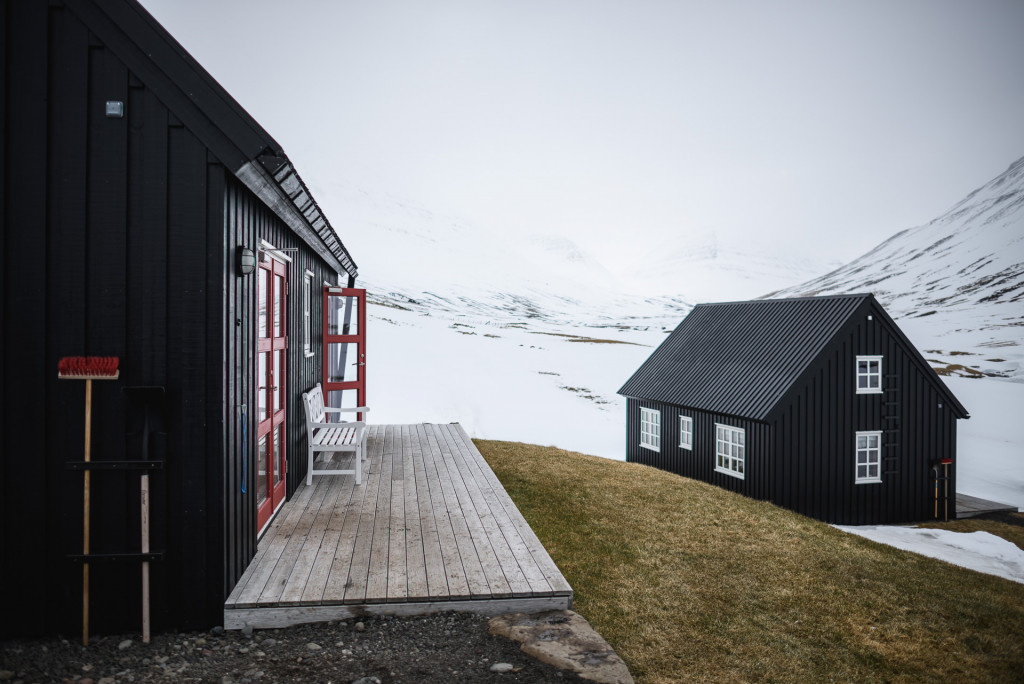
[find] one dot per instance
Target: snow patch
(979, 551)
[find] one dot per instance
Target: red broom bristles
(87, 367)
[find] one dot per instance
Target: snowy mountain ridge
(423, 260)
(530, 339)
(955, 283)
(413, 258)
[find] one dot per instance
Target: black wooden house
(820, 405)
(145, 216)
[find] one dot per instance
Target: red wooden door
(271, 365)
(344, 363)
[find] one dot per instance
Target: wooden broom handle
(85, 515)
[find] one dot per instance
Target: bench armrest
(357, 409)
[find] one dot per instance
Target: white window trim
(857, 375)
(877, 462)
(686, 432)
(307, 313)
(650, 439)
(728, 467)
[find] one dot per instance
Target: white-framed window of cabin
(868, 450)
(730, 450)
(686, 432)
(307, 314)
(650, 429)
(869, 375)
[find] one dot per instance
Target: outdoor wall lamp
(246, 261)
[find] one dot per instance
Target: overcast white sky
(824, 124)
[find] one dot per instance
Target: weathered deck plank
(537, 550)
(438, 580)
(430, 527)
(476, 518)
(415, 569)
(346, 563)
(447, 506)
(297, 580)
(489, 511)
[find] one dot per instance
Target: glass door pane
(279, 470)
(342, 316)
(261, 471)
(278, 378)
(262, 389)
(261, 308)
(278, 304)
(344, 362)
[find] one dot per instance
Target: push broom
(87, 368)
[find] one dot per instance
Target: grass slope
(689, 582)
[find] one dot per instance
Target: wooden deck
(430, 529)
(969, 506)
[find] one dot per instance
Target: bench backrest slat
(313, 402)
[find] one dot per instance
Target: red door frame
(359, 339)
(272, 341)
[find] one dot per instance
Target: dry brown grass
(588, 340)
(689, 582)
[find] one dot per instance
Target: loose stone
(502, 667)
(124, 644)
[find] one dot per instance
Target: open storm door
(344, 322)
(270, 383)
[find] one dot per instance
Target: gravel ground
(449, 647)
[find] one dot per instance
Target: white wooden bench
(327, 439)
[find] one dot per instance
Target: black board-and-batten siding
(800, 453)
(120, 238)
(246, 219)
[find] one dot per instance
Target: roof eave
(205, 108)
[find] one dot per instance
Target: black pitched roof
(741, 358)
(206, 109)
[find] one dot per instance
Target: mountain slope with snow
(955, 284)
(714, 268)
(425, 261)
(529, 338)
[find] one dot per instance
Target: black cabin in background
(820, 405)
(132, 185)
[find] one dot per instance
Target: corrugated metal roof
(740, 358)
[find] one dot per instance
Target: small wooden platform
(431, 529)
(969, 506)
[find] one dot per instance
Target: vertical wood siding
(803, 458)
(699, 463)
(247, 221)
(118, 239)
(815, 433)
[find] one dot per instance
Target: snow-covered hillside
(528, 338)
(956, 284)
(427, 262)
(715, 268)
